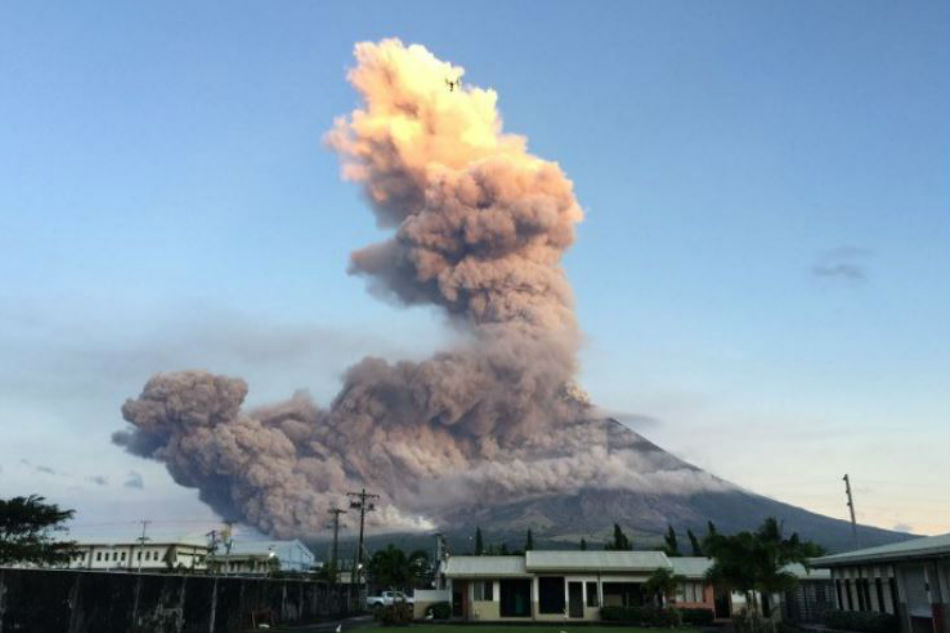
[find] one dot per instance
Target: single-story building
(574, 585)
(910, 579)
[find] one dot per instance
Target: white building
(261, 557)
(170, 554)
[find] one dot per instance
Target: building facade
(182, 554)
(561, 586)
(552, 586)
(910, 580)
(262, 557)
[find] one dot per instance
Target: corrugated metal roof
(606, 561)
(493, 566)
(915, 548)
(802, 573)
(690, 566)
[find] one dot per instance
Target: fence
(76, 601)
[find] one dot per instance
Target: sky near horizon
(761, 276)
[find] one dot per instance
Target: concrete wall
(74, 601)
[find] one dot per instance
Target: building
(910, 579)
(261, 557)
(574, 585)
(159, 555)
(547, 585)
(696, 592)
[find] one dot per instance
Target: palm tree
(754, 563)
(663, 584)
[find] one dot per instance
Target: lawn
(526, 628)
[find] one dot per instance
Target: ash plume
(479, 226)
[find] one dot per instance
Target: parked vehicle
(387, 598)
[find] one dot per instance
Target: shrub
(440, 611)
(396, 614)
(641, 616)
(865, 621)
(699, 617)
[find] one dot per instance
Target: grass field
(525, 628)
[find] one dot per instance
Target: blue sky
(761, 278)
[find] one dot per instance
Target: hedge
(864, 621)
(641, 616)
(440, 611)
(699, 617)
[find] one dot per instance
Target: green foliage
(671, 546)
(748, 621)
(440, 611)
(26, 527)
(620, 542)
(694, 543)
(529, 541)
(641, 616)
(396, 614)
(392, 568)
(662, 582)
(479, 544)
(865, 621)
(754, 562)
(697, 617)
(583, 545)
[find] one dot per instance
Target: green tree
(529, 541)
(503, 550)
(694, 543)
(754, 563)
(583, 544)
(479, 545)
(663, 584)
(393, 569)
(620, 542)
(27, 525)
(671, 546)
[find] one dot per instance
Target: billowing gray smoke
(479, 227)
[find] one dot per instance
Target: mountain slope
(591, 512)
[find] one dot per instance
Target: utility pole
(854, 524)
(334, 557)
(141, 540)
(362, 501)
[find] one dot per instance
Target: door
(575, 600)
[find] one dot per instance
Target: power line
(362, 501)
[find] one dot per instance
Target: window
(138, 556)
(483, 590)
(123, 555)
(115, 555)
(847, 593)
(592, 594)
(859, 588)
(838, 592)
(879, 587)
(98, 555)
(895, 600)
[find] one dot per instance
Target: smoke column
(479, 226)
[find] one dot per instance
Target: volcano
(562, 520)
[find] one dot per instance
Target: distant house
(910, 579)
(178, 553)
(574, 585)
(261, 557)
